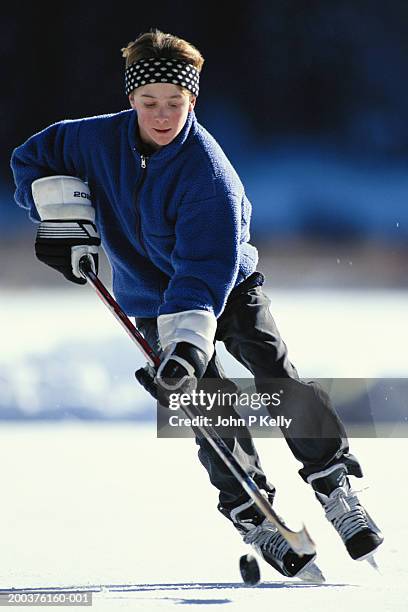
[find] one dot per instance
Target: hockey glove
(174, 377)
(188, 341)
(146, 377)
(67, 231)
(179, 370)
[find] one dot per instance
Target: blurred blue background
(309, 101)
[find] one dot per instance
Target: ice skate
(343, 509)
(268, 542)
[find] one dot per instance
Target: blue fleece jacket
(175, 232)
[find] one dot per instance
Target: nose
(161, 116)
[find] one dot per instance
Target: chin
(164, 141)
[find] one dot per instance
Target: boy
(156, 188)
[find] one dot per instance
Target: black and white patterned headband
(161, 70)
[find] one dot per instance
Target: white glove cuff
(62, 198)
(197, 327)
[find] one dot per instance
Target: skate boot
(268, 542)
(343, 509)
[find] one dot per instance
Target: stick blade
(300, 541)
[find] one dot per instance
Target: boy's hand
(180, 368)
(67, 230)
(177, 373)
(61, 244)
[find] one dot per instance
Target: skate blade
(311, 573)
(371, 560)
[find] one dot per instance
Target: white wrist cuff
(62, 198)
(197, 327)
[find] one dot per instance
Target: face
(162, 110)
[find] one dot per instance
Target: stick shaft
(126, 323)
(301, 541)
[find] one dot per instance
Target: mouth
(163, 131)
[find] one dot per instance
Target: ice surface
(111, 508)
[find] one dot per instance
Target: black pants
(249, 333)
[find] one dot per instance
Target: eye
(149, 105)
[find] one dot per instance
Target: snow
(64, 352)
(106, 506)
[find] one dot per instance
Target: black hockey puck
(249, 568)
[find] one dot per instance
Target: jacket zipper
(138, 188)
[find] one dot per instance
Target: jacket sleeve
(206, 255)
(54, 150)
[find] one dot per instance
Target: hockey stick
(300, 541)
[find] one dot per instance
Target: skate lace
(346, 513)
(267, 539)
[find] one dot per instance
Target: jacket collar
(169, 151)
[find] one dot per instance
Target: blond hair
(158, 44)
